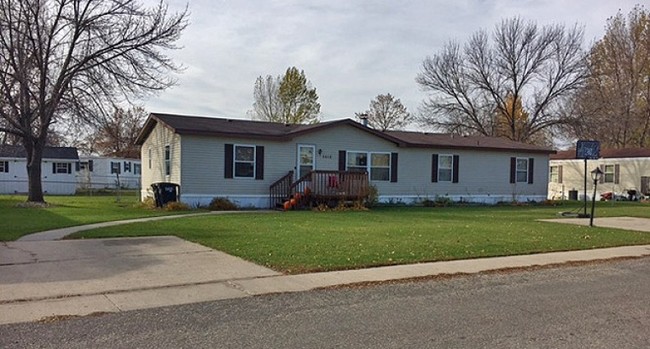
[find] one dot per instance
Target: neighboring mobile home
(97, 172)
(57, 170)
(625, 170)
(241, 159)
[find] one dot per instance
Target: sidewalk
(57, 234)
(45, 279)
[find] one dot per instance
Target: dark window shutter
(434, 168)
(393, 167)
(559, 174)
(54, 167)
(617, 173)
(531, 170)
(7, 166)
(342, 160)
(228, 165)
(455, 169)
(77, 166)
(513, 169)
(69, 168)
(259, 162)
(90, 165)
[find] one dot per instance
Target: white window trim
(167, 162)
(298, 159)
(612, 173)
(555, 174)
(451, 168)
(369, 162)
(517, 170)
(61, 165)
(234, 160)
(370, 165)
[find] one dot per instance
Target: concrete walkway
(57, 234)
(44, 280)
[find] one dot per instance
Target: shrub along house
(255, 164)
(57, 170)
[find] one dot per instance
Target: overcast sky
(351, 51)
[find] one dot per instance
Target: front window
(244, 161)
(608, 177)
(357, 161)
(445, 163)
(4, 166)
(168, 161)
(150, 156)
(522, 170)
(379, 167)
(115, 167)
(61, 167)
(137, 169)
(554, 174)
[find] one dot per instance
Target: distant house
(624, 170)
(57, 170)
(96, 172)
(245, 160)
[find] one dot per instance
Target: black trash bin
(165, 192)
(573, 195)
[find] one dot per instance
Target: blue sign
(588, 150)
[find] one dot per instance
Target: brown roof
(18, 151)
(447, 140)
(207, 126)
(606, 153)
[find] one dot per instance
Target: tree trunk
(34, 159)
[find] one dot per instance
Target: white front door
(306, 159)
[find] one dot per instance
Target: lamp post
(595, 175)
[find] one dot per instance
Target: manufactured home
(247, 161)
(98, 172)
(625, 172)
(57, 170)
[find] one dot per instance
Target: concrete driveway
(123, 273)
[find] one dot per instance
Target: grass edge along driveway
(305, 241)
(68, 211)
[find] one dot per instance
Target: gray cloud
(351, 51)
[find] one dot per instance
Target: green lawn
(66, 211)
(296, 242)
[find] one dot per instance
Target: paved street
(600, 305)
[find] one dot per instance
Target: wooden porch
(318, 187)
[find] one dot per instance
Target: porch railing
(280, 190)
(320, 186)
(330, 185)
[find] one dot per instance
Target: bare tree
(71, 58)
(386, 113)
(267, 104)
(116, 135)
(470, 86)
(614, 106)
